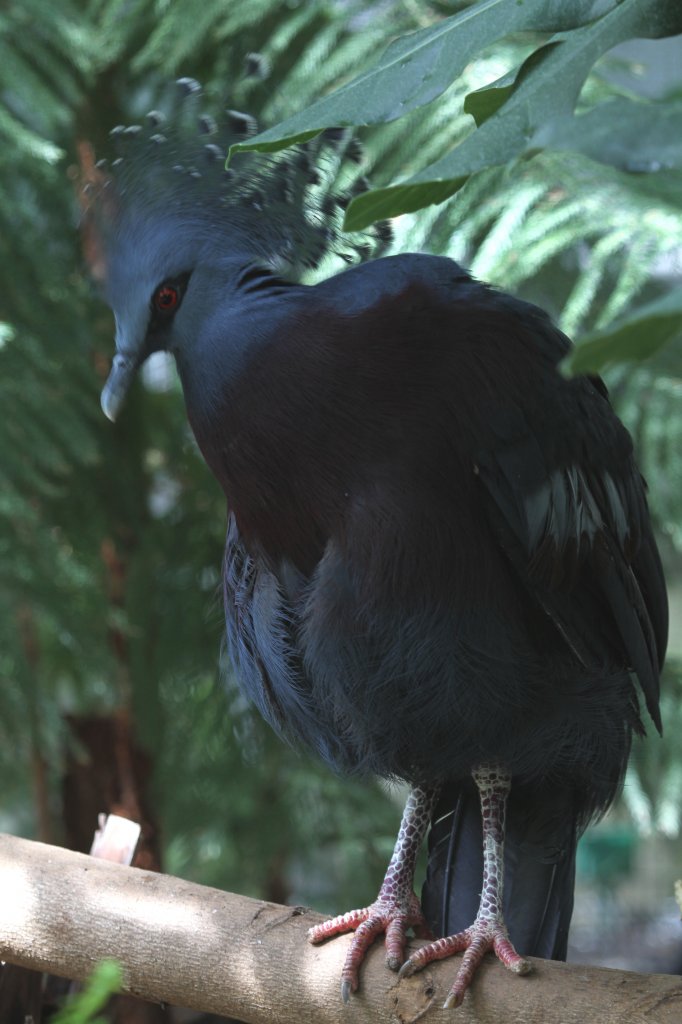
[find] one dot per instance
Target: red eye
(166, 298)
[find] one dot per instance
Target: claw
(392, 917)
(396, 909)
(453, 1000)
(408, 969)
(481, 937)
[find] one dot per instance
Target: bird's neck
(266, 426)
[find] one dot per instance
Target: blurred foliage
(111, 536)
(106, 979)
(541, 103)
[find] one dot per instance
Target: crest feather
(286, 207)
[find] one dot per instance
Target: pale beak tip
(107, 409)
(114, 391)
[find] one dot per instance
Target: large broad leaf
(528, 110)
(629, 134)
(418, 67)
(538, 114)
(639, 335)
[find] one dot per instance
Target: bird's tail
(540, 846)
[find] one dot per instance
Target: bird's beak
(131, 352)
(120, 378)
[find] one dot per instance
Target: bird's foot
(393, 917)
(483, 936)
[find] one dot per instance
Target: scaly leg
(396, 908)
(488, 932)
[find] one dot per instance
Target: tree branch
(193, 946)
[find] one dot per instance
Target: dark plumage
(376, 473)
(439, 554)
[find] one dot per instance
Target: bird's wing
(262, 628)
(571, 515)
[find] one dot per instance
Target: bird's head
(163, 280)
(167, 228)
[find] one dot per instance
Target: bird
(439, 565)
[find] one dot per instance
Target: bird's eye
(166, 298)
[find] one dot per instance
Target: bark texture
(198, 947)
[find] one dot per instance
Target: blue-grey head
(169, 230)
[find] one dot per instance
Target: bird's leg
(396, 908)
(488, 932)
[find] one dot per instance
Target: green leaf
(630, 134)
(638, 336)
(418, 67)
(483, 103)
(533, 117)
